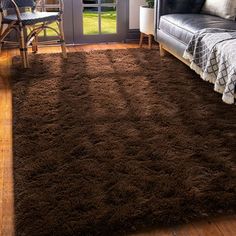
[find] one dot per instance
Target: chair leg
(1, 47)
(23, 48)
(62, 38)
(1, 31)
(35, 44)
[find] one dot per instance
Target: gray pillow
(223, 8)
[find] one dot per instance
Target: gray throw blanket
(212, 53)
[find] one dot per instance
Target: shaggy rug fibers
(112, 141)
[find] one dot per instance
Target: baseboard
(133, 35)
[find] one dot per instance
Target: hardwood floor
(224, 226)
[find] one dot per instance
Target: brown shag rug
(109, 142)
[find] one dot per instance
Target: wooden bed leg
(162, 51)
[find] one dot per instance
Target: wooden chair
(25, 18)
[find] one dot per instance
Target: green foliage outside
(108, 22)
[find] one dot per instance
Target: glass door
(99, 20)
(53, 6)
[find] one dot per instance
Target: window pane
(90, 20)
(108, 20)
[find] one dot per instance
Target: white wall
(134, 13)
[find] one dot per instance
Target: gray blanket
(212, 53)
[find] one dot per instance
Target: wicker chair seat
(31, 18)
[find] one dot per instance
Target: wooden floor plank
(3, 145)
(186, 230)
(207, 228)
(7, 157)
(2, 150)
(158, 232)
(226, 225)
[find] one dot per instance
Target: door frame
(73, 24)
(68, 22)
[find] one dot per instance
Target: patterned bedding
(212, 53)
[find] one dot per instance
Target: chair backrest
(8, 4)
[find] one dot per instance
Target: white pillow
(223, 8)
